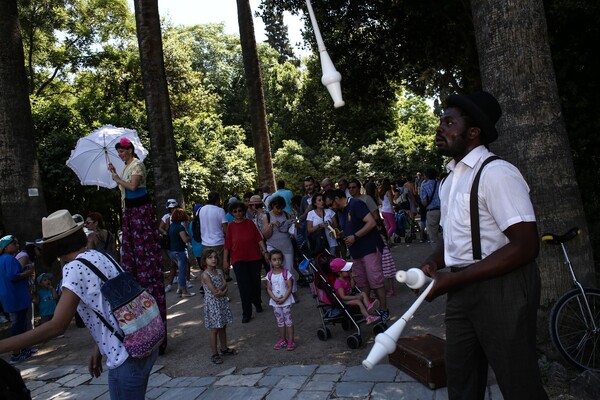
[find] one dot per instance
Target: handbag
(318, 241)
(134, 309)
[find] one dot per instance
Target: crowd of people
(266, 233)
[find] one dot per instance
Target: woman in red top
(245, 250)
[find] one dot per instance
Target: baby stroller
(406, 227)
(331, 308)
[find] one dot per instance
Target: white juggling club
(331, 77)
(385, 342)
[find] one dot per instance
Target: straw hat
(58, 225)
(255, 199)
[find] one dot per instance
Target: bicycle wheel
(572, 331)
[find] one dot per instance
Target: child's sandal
(229, 352)
(216, 359)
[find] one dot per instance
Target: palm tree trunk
(158, 107)
(515, 63)
(256, 100)
(22, 204)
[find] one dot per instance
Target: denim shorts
(129, 380)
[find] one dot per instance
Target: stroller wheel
(324, 334)
(354, 341)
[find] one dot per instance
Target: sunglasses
(238, 210)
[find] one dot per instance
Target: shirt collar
(471, 159)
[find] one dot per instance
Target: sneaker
(385, 315)
(188, 294)
(372, 318)
(22, 356)
(291, 345)
(281, 343)
(372, 306)
(3, 319)
(193, 276)
(178, 291)
(188, 284)
(32, 350)
(168, 288)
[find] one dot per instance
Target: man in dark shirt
(363, 241)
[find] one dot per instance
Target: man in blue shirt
(430, 198)
(363, 241)
(14, 291)
(286, 194)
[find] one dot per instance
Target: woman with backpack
(65, 239)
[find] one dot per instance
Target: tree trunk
(158, 107)
(515, 63)
(256, 99)
(22, 203)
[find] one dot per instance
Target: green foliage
(276, 31)
(292, 162)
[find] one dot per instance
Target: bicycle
(575, 318)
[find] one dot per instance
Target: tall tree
(158, 107)
(21, 201)
(276, 30)
(532, 131)
(256, 100)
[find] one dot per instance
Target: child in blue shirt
(45, 297)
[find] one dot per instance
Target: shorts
(368, 271)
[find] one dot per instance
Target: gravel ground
(188, 352)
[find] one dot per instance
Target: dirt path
(188, 353)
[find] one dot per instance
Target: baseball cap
(339, 264)
(172, 203)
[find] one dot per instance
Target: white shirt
(86, 285)
(328, 217)
(212, 219)
(503, 201)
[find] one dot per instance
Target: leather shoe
(245, 320)
(259, 308)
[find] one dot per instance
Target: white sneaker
(188, 284)
(3, 319)
(168, 288)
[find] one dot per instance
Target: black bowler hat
(483, 108)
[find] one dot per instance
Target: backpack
(285, 275)
(134, 309)
(196, 232)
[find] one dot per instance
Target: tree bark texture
(256, 99)
(158, 107)
(21, 211)
(516, 66)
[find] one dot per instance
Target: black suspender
(474, 205)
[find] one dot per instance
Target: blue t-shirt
(14, 294)
(196, 247)
(47, 302)
(287, 196)
(427, 190)
(351, 221)
(175, 240)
